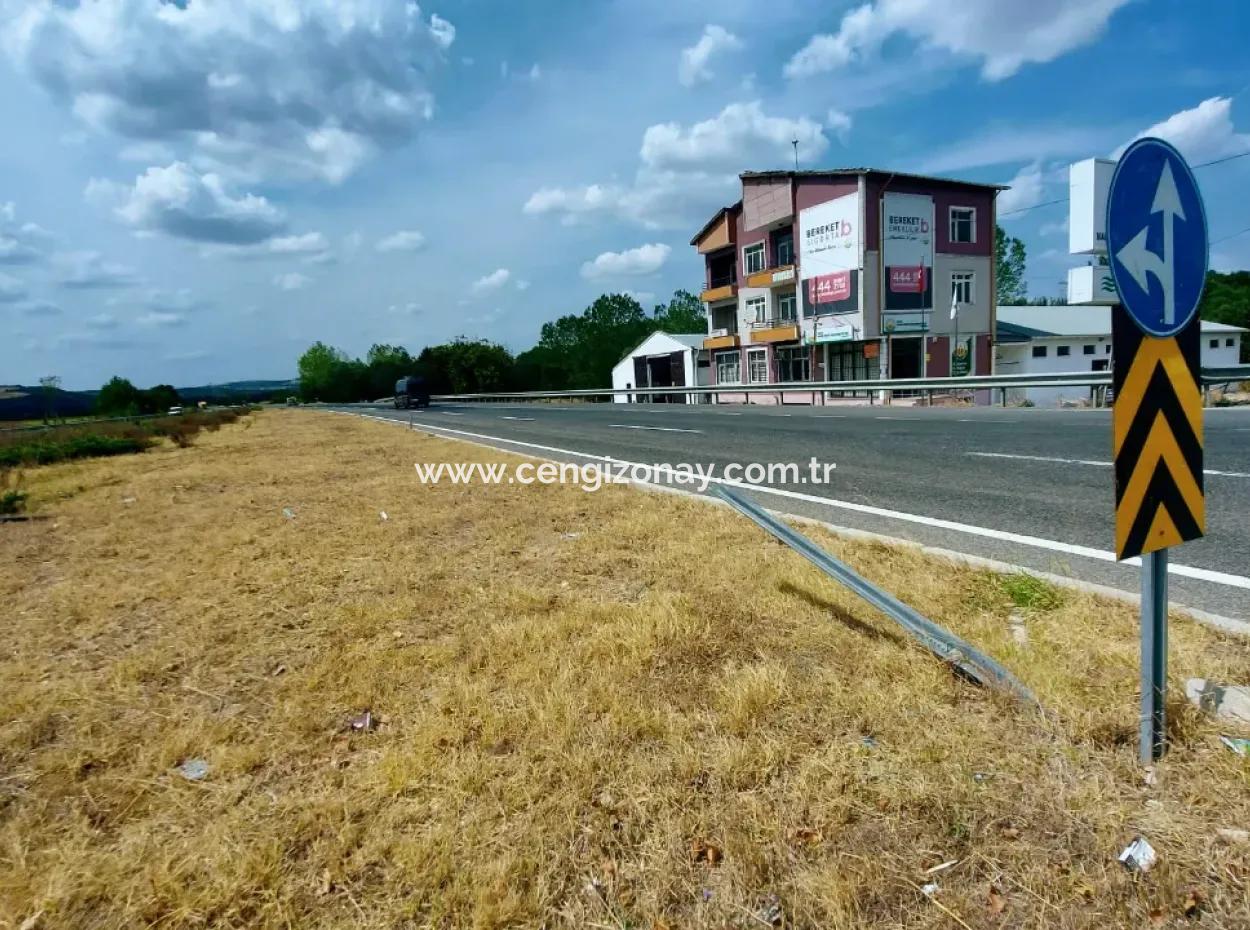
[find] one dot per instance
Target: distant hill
(20, 402)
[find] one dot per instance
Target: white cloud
(1004, 35)
(291, 281)
(161, 318)
(491, 282)
(307, 244)
(412, 308)
(101, 321)
(1007, 144)
(180, 202)
(1026, 190)
(839, 123)
(742, 136)
(522, 285)
(535, 73)
(90, 270)
(686, 172)
(643, 297)
(1202, 133)
(644, 260)
(250, 88)
(405, 240)
(694, 65)
(20, 243)
(11, 290)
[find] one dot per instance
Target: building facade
(1074, 338)
(848, 274)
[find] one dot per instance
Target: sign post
(1157, 249)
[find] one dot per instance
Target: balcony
(722, 339)
(772, 277)
(720, 287)
(776, 329)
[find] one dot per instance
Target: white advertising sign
(829, 250)
(1091, 284)
(907, 240)
(1088, 183)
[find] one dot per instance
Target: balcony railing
(722, 280)
(774, 321)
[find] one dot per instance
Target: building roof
(689, 340)
(1019, 324)
(713, 221)
(830, 172)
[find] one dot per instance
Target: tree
(326, 373)
(387, 364)
(683, 314)
(1009, 280)
(466, 366)
(50, 385)
(158, 399)
(1226, 299)
(118, 397)
(588, 345)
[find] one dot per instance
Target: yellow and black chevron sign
(1157, 429)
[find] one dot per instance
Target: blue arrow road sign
(1156, 237)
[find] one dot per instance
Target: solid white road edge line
(1051, 458)
(1036, 542)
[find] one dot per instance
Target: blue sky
(193, 192)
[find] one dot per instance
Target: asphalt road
(1027, 486)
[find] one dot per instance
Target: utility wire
(1051, 203)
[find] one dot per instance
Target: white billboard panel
(907, 235)
(1088, 182)
(1091, 284)
(829, 251)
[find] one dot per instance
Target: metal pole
(1154, 654)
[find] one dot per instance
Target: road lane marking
(829, 416)
(517, 418)
(654, 429)
(450, 413)
(901, 418)
(1036, 542)
(1051, 458)
(986, 420)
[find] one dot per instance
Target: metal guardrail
(941, 642)
(92, 421)
(936, 385)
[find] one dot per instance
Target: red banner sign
(907, 279)
(829, 288)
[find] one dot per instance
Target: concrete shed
(664, 360)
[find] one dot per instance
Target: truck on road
(411, 392)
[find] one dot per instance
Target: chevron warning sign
(1157, 436)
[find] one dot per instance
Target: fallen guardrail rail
(945, 645)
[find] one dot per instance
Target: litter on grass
(1237, 744)
(1138, 856)
(194, 769)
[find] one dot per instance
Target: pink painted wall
(945, 195)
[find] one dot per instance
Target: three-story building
(849, 274)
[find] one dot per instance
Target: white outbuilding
(1046, 340)
(663, 360)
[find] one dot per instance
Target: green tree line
(575, 351)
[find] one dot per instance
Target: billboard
(1088, 183)
(1092, 284)
(829, 256)
(907, 248)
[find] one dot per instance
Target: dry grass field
(611, 710)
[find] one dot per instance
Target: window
(757, 366)
(784, 248)
(757, 310)
(1039, 351)
(1063, 350)
(1215, 343)
(728, 370)
(961, 286)
(794, 363)
(963, 224)
(1228, 343)
(1108, 348)
(787, 306)
(753, 258)
(1089, 350)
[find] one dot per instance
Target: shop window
(794, 363)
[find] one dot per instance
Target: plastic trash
(930, 889)
(363, 722)
(1237, 744)
(288, 513)
(1139, 855)
(194, 769)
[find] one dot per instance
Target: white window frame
(752, 354)
(959, 279)
(763, 253)
(972, 230)
(791, 297)
(737, 358)
(757, 309)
